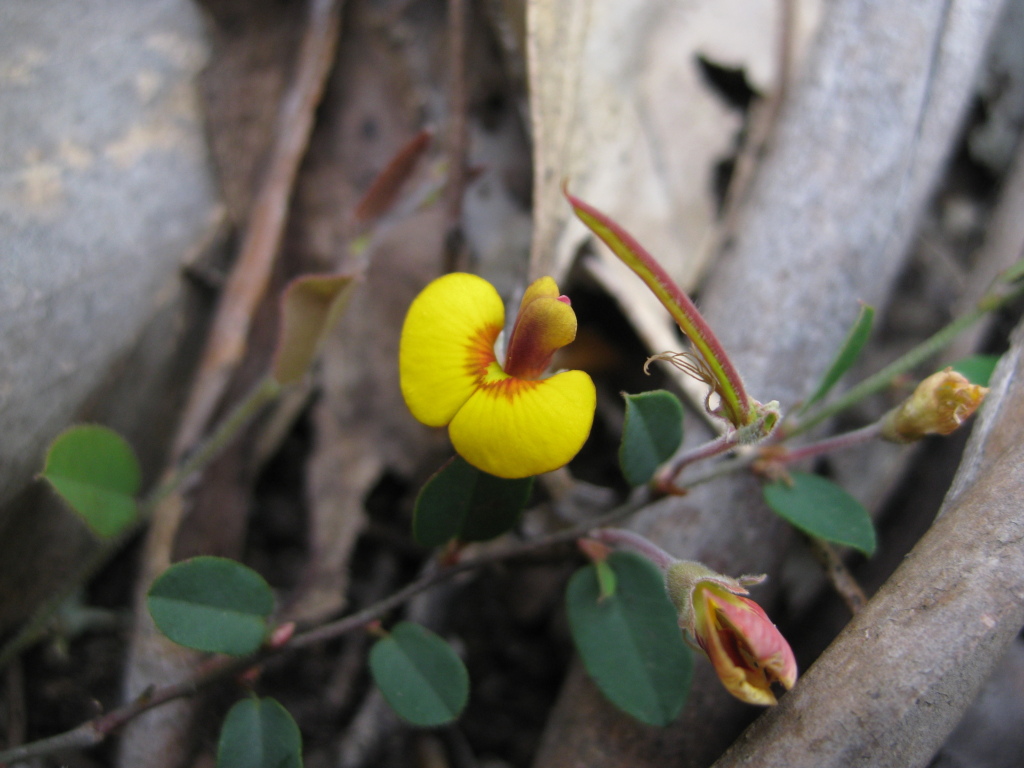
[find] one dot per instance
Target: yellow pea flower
(506, 420)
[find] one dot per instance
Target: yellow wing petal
(514, 428)
(447, 344)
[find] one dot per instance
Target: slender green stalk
(833, 443)
(1002, 293)
(265, 391)
(620, 538)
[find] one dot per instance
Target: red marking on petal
(480, 352)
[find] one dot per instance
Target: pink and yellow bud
(747, 651)
(939, 405)
(507, 420)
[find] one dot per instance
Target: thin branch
(251, 273)
(838, 575)
(829, 444)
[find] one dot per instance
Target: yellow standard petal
(447, 345)
(514, 428)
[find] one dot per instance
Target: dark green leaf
(212, 604)
(630, 642)
(977, 368)
(821, 508)
(848, 353)
(462, 502)
(259, 733)
(420, 675)
(652, 432)
(96, 473)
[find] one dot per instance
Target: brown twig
(251, 273)
(838, 575)
(383, 192)
(457, 138)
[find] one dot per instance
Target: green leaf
(652, 432)
(630, 642)
(848, 353)
(462, 502)
(310, 307)
(212, 604)
(977, 368)
(95, 471)
(420, 675)
(821, 508)
(259, 733)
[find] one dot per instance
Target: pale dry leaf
(622, 112)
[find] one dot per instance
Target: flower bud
(747, 651)
(939, 405)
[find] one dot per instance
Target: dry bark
(827, 222)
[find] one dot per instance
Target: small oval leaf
(462, 502)
(259, 733)
(652, 432)
(821, 508)
(630, 642)
(977, 369)
(847, 355)
(212, 604)
(95, 471)
(420, 675)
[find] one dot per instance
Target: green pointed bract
(847, 355)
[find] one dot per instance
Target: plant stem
(265, 391)
(834, 443)
(838, 575)
(711, 448)
(623, 539)
(926, 349)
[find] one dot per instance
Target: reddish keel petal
(543, 326)
(746, 649)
